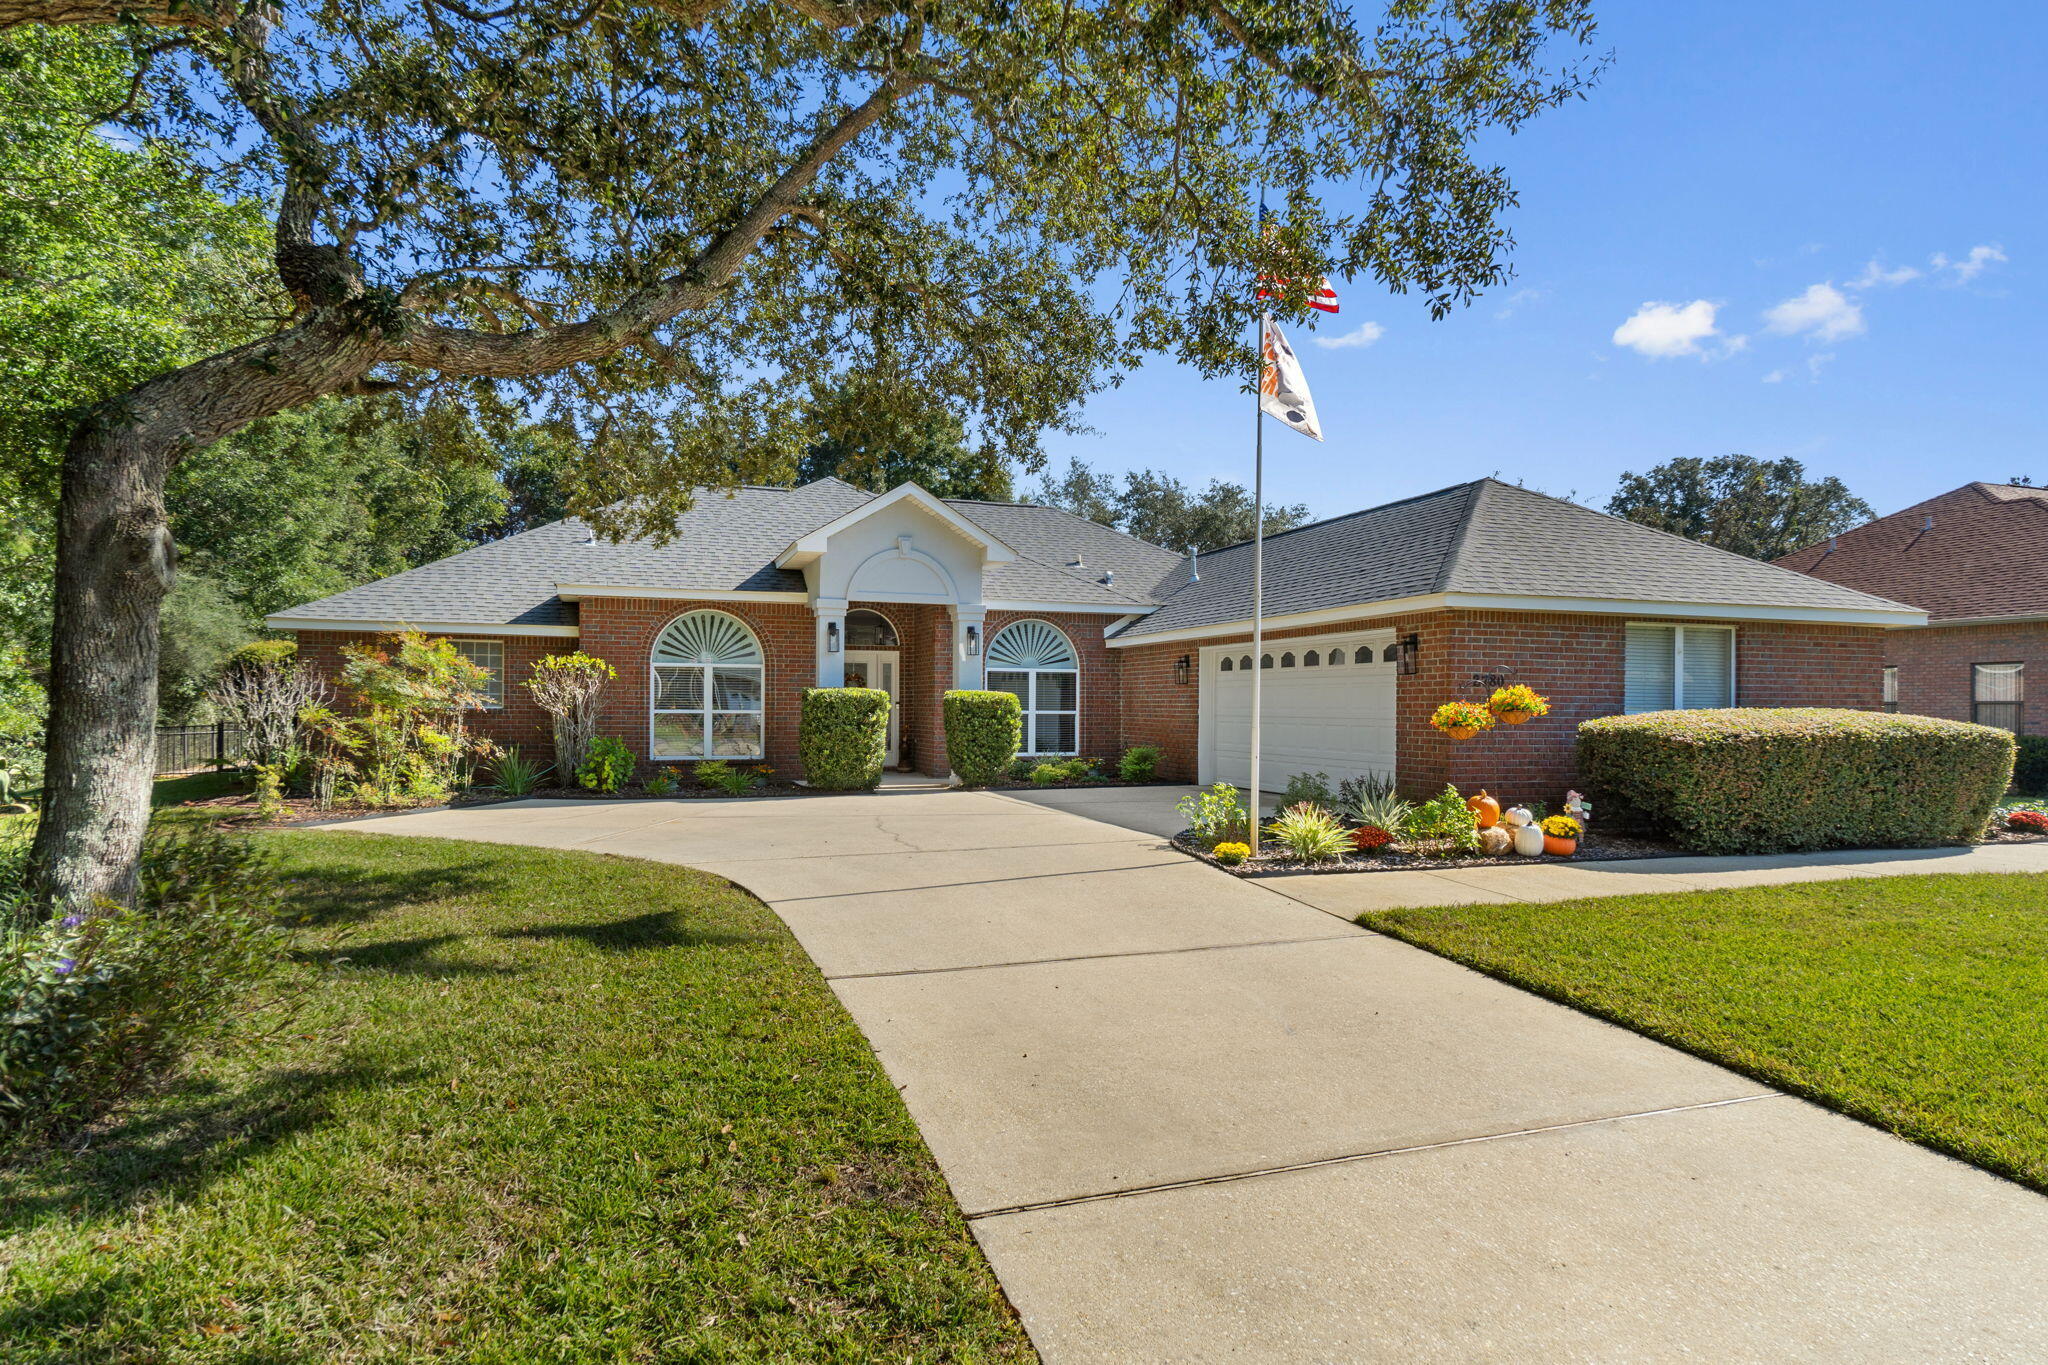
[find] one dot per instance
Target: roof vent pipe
(1194, 564)
(1077, 562)
(1834, 544)
(1108, 577)
(1927, 523)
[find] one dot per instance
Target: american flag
(1324, 300)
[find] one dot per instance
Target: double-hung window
(706, 689)
(1891, 687)
(1996, 693)
(1035, 663)
(488, 655)
(1678, 668)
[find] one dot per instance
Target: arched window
(1265, 661)
(1287, 659)
(1311, 659)
(706, 689)
(1393, 653)
(1336, 657)
(1035, 663)
(869, 630)
(1227, 664)
(1245, 663)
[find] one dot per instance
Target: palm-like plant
(1309, 832)
(517, 775)
(1382, 809)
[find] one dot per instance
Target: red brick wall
(1934, 667)
(519, 722)
(1100, 680)
(1574, 660)
(924, 670)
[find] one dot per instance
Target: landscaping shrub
(1232, 855)
(1444, 816)
(1216, 815)
(1140, 763)
(569, 687)
(2030, 765)
(983, 733)
(518, 775)
(2027, 822)
(722, 776)
(606, 765)
(408, 741)
(1749, 780)
(664, 782)
(98, 1006)
(1309, 832)
(1045, 774)
(1313, 788)
(843, 736)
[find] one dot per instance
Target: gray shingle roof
(728, 542)
(1485, 537)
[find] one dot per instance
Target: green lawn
(553, 1106)
(1918, 1003)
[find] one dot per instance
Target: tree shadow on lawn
(400, 957)
(195, 1133)
(655, 929)
(327, 899)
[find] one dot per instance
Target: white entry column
(831, 640)
(970, 644)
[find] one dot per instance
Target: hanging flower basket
(1462, 719)
(1516, 704)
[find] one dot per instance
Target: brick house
(1372, 619)
(1976, 561)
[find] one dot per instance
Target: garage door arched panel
(1337, 720)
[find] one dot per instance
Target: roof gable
(1972, 553)
(813, 543)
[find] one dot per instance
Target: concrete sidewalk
(1193, 1119)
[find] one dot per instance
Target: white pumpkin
(1515, 816)
(1528, 840)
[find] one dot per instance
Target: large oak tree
(671, 224)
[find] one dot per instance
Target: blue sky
(1745, 165)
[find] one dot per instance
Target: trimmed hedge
(1751, 780)
(843, 737)
(2030, 769)
(984, 730)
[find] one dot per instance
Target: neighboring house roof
(1492, 543)
(728, 542)
(1984, 557)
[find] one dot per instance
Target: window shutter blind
(1648, 674)
(1708, 667)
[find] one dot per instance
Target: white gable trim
(807, 547)
(576, 592)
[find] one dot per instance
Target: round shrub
(1754, 780)
(843, 737)
(984, 730)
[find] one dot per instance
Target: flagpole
(1258, 573)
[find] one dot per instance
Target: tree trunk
(115, 563)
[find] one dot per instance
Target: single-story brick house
(1976, 561)
(1372, 620)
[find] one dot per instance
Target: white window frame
(1888, 687)
(1029, 747)
(1678, 630)
(707, 683)
(2018, 705)
(495, 692)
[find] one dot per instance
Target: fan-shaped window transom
(706, 692)
(1035, 662)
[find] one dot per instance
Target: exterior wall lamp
(1410, 646)
(973, 641)
(831, 637)
(1181, 670)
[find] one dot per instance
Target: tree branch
(215, 14)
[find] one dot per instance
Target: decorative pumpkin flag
(1283, 391)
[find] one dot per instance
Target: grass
(1916, 1003)
(544, 1106)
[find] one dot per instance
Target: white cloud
(1365, 334)
(1814, 365)
(1775, 377)
(1970, 266)
(1513, 302)
(1875, 274)
(1662, 330)
(1822, 311)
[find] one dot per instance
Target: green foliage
(96, 1007)
(1353, 790)
(1309, 832)
(1752, 780)
(1313, 788)
(1215, 815)
(1047, 773)
(23, 706)
(663, 782)
(843, 737)
(1761, 508)
(720, 775)
(2030, 765)
(408, 742)
(1140, 763)
(264, 654)
(930, 451)
(1382, 809)
(1155, 507)
(1444, 816)
(517, 775)
(269, 780)
(606, 765)
(202, 629)
(983, 733)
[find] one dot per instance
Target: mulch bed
(1433, 856)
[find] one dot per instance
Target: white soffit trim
(1322, 616)
(811, 544)
(488, 628)
(1126, 609)
(1939, 622)
(576, 592)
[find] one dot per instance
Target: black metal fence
(188, 748)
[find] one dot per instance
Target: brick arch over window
(705, 689)
(1036, 662)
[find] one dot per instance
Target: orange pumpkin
(1485, 807)
(1559, 848)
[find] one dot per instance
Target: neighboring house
(1976, 561)
(1372, 619)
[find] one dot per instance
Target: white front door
(1328, 703)
(877, 668)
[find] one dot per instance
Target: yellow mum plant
(1231, 854)
(1517, 703)
(1453, 716)
(1562, 827)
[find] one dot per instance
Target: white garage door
(1328, 704)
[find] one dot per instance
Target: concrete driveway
(1193, 1119)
